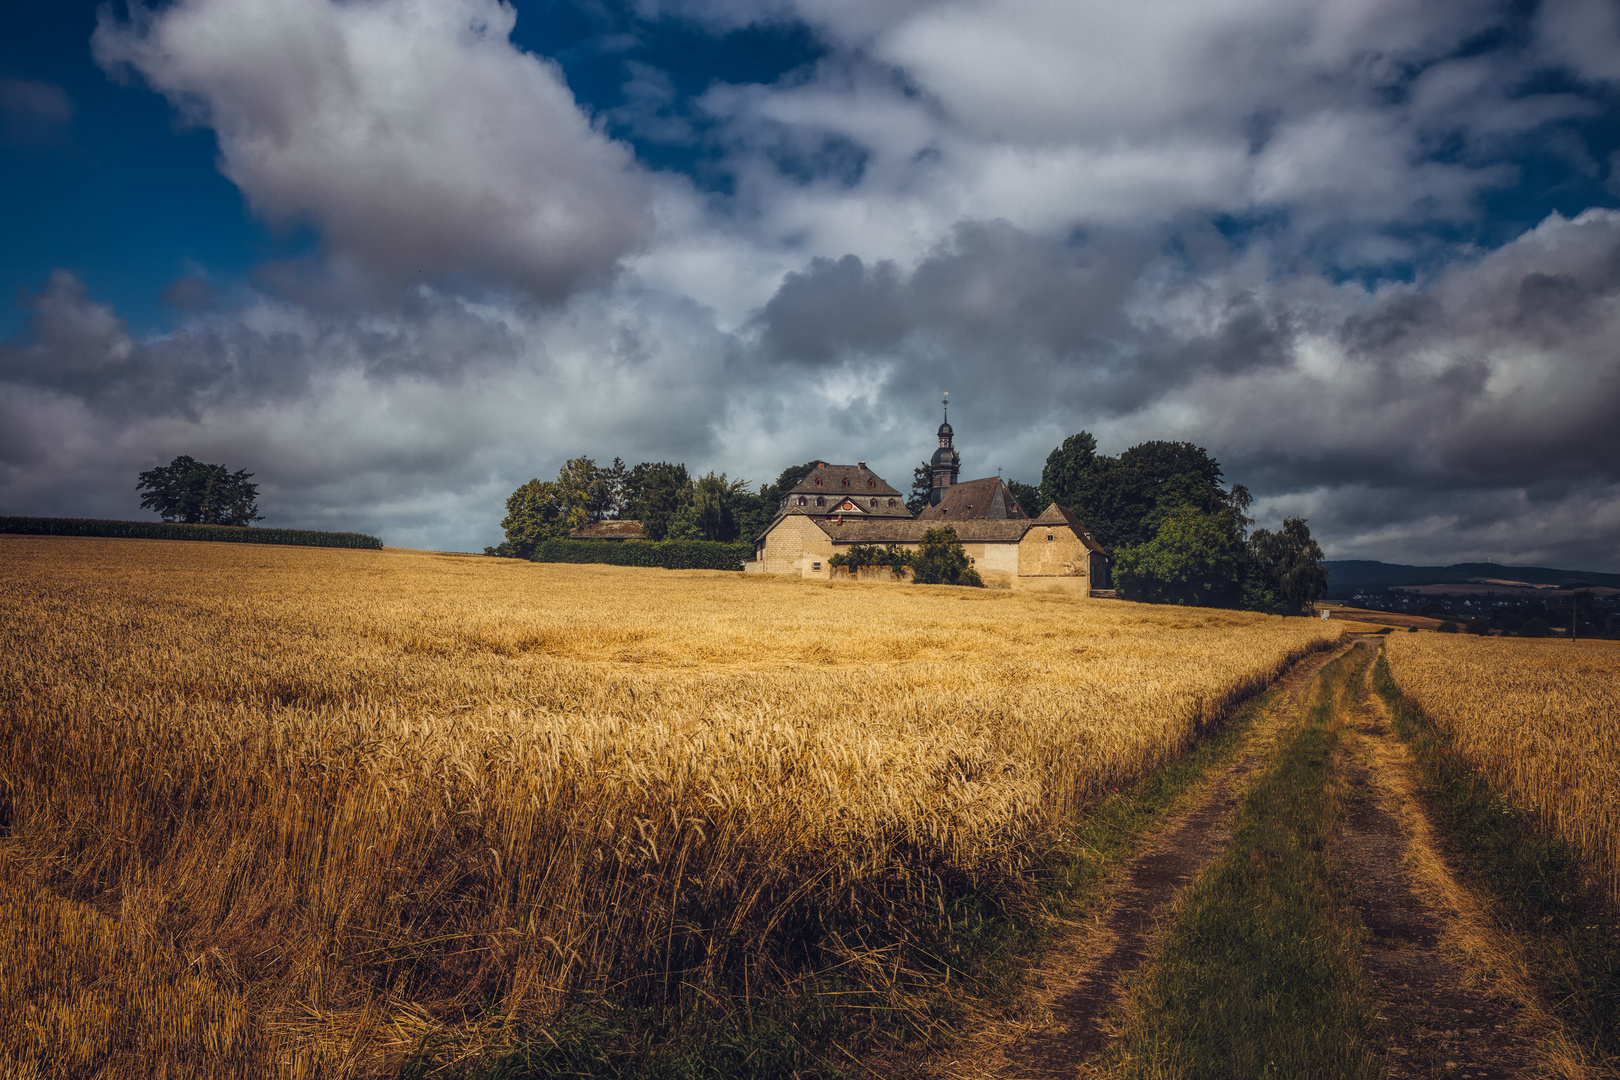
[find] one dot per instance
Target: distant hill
(1348, 575)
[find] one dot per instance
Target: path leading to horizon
(1450, 991)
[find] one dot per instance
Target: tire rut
(1078, 982)
(1447, 1006)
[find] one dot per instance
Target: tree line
(1174, 532)
(670, 503)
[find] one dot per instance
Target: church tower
(946, 463)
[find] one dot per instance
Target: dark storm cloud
(1043, 315)
(1489, 388)
(835, 306)
(80, 348)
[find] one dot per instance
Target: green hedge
(668, 554)
(163, 530)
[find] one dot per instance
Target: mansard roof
(1062, 515)
(976, 500)
(855, 479)
(838, 484)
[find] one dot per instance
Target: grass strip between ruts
(1257, 976)
(1534, 881)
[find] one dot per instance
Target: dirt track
(1078, 983)
(1443, 977)
(1447, 986)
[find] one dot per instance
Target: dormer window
(846, 481)
(820, 501)
(891, 502)
(801, 500)
(874, 502)
(818, 481)
(870, 482)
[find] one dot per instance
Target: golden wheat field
(1540, 719)
(284, 811)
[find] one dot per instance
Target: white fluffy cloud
(1064, 114)
(411, 134)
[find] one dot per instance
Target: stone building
(838, 506)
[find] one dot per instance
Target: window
(801, 503)
(818, 481)
(815, 566)
(874, 502)
(1049, 536)
(846, 481)
(820, 501)
(871, 482)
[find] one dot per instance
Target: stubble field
(293, 812)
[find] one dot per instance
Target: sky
(397, 257)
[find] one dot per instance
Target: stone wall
(798, 546)
(997, 564)
(795, 546)
(1063, 555)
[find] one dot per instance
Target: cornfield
(286, 811)
(1541, 721)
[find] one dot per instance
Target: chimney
(861, 465)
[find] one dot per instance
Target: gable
(1062, 515)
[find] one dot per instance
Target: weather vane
(946, 401)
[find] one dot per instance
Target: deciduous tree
(1123, 500)
(538, 511)
(940, 560)
(1288, 563)
(190, 491)
(653, 494)
(1195, 557)
(709, 509)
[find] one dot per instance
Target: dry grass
(285, 811)
(1540, 719)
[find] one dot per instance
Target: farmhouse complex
(836, 507)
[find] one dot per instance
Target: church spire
(946, 463)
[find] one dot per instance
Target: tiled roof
(1062, 515)
(853, 530)
(609, 530)
(864, 487)
(974, 500)
(900, 531)
(843, 480)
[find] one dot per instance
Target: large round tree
(190, 491)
